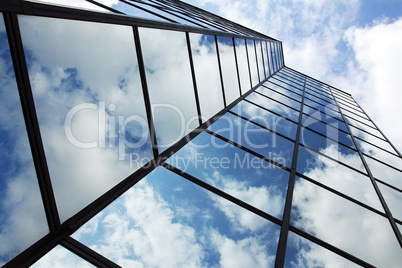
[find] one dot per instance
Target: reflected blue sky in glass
(242, 64)
(301, 252)
(328, 130)
(167, 219)
(337, 176)
(317, 114)
(259, 60)
(253, 62)
(362, 126)
(229, 72)
(61, 257)
(268, 119)
(89, 103)
(274, 106)
(232, 170)
(255, 138)
(321, 101)
(290, 92)
(366, 137)
(22, 217)
(279, 97)
(278, 80)
(323, 108)
(344, 224)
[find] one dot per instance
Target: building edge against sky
(180, 138)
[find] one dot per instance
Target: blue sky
(353, 45)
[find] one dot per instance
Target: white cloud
(61, 258)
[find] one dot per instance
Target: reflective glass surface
(321, 101)
(80, 4)
(337, 176)
(165, 219)
(317, 114)
(254, 138)
(356, 116)
(364, 127)
(89, 104)
(61, 258)
(279, 97)
(288, 84)
(381, 155)
(274, 106)
(253, 62)
(328, 130)
(259, 60)
(291, 92)
(229, 72)
(266, 118)
(266, 58)
(170, 84)
(22, 217)
(331, 148)
(393, 198)
(344, 224)
(385, 173)
(301, 252)
(241, 55)
(324, 108)
(207, 74)
(364, 137)
(232, 170)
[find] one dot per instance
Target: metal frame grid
(60, 232)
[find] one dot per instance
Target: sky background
(352, 45)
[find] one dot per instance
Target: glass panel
(372, 139)
(266, 58)
(22, 217)
(207, 74)
(259, 60)
(255, 138)
(321, 101)
(393, 199)
(319, 93)
(165, 219)
(241, 55)
(328, 130)
(290, 76)
(268, 119)
(89, 102)
(381, 155)
(61, 257)
(337, 176)
(301, 252)
(384, 173)
(348, 104)
(289, 93)
(170, 84)
(325, 118)
(253, 62)
(287, 84)
(364, 127)
(354, 115)
(274, 106)
(232, 170)
(136, 12)
(81, 4)
(279, 97)
(229, 73)
(271, 61)
(344, 224)
(330, 148)
(325, 109)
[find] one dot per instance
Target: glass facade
(155, 134)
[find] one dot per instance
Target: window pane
(165, 219)
(243, 65)
(229, 73)
(337, 176)
(289, 91)
(81, 4)
(253, 62)
(384, 173)
(22, 217)
(274, 106)
(170, 84)
(288, 84)
(393, 199)
(301, 252)
(255, 138)
(268, 119)
(89, 102)
(344, 224)
(232, 170)
(266, 58)
(61, 257)
(259, 60)
(328, 130)
(364, 136)
(364, 127)
(317, 114)
(278, 97)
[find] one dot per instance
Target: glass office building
(151, 133)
